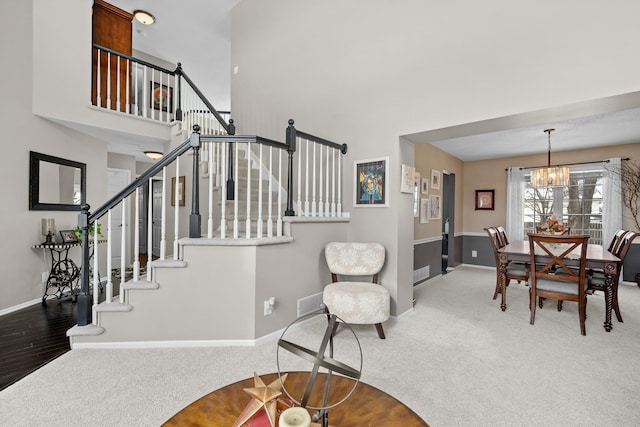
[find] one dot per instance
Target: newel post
(291, 148)
(194, 218)
(179, 106)
(84, 297)
(230, 184)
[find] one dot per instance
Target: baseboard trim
(20, 306)
(165, 344)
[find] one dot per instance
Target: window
(578, 206)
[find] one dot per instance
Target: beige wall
(428, 157)
(491, 174)
(366, 72)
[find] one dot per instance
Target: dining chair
(356, 301)
(515, 271)
(596, 279)
(548, 252)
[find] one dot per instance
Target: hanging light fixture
(557, 176)
(144, 17)
(155, 155)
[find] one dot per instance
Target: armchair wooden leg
(380, 330)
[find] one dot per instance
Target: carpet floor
(456, 360)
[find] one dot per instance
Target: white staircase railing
(244, 198)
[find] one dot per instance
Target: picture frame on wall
(370, 182)
(416, 195)
(435, 179)
(161, 97)
(435, 211)
(425, 186)
(424, 211)
(180, 197)
(408, 179)
(485, 200)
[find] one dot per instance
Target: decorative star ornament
(263, 396)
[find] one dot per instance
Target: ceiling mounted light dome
(155, 155)
(144, 17)
(557, 176)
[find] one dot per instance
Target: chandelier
(557, 176)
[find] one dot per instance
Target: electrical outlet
(45, 276)
(474, 254)
(268, 308)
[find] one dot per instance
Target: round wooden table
(367, 406)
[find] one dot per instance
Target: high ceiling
(196, 33)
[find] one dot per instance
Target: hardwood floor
(32, 337)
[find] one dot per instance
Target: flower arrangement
(552, 225)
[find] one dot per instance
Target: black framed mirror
(56, 184)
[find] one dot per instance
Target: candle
(295, 417)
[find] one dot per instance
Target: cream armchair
(356, 302)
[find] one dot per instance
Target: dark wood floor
(32, 337)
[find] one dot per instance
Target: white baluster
(327, 207)
(248, 220)
(235, 194)
(136, 239)
(98, 78)
(270, 197)
(223, 185)
(109, 290)
(163, 227)
(279, 220)
(127, 87)
(320, 204)
(259, 224)
(144, 92)
(313, 182)
(123, 249)
(333, 183)
(118, 84)
(210, 191)
(176, 212)
(94, 260)
(339, 206)
(299, 178)
(306, 179)
(109, 80)
(150, 232)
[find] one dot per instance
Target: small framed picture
(180, 190)
(68, 236)
(435, 179)
(424, 211)
(408, 179)
(425, 186)
(434, 208)
(484, 200)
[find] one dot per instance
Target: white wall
(365, 72)
(20, 265)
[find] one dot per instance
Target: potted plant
(92, 229)
(630, 178)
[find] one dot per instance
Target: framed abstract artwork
(484, 200)
(435, 179)
(434, 208)
(370, 183)
(424, 211)
(407, 179)
(425, 186)
(161, 97)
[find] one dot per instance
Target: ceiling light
(557, 176)
(155, 155)
(144, 17)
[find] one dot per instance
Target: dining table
(597, 258)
